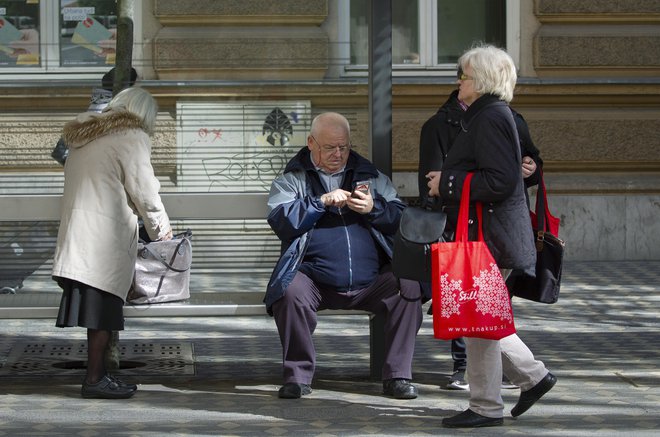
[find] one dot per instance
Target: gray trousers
(486, 359)
(295, 317)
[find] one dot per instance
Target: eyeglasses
(330, 149)
(462, 76)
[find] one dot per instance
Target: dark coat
(438, 134)
(527, 148)
(488, 145)
(436, 137)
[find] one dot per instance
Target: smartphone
(361, 186)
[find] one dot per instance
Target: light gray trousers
(487, 359)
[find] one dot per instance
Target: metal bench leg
(112, 353)
(377, 346)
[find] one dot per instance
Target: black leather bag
(545, 286)
(418, 229)
(60, 152)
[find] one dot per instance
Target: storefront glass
(19, 34)
(88, 32)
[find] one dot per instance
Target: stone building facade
(589, 88)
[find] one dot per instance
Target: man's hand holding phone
(361, 200)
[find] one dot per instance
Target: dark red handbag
(470, 297)
(544, 286)
(547, 222)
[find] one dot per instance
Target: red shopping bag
(470, 297)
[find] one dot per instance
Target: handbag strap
(176, 251)
(464, 213)
(542, 211)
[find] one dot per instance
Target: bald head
(330, 120)
(329, 141)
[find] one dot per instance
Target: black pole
(380, 132)
(124, 48)
(123, 64)
(380, 84)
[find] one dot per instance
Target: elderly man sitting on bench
(335, 214)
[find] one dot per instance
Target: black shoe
(470, 419)
(107, 388)
(457, 381)
(292, 390)
(122, 383)
(529, 397)
(399, 388)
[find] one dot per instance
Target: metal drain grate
(166, 358)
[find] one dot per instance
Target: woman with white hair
(488, 146)
(108, 182)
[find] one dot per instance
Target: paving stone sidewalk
(221, 378)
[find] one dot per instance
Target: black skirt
(89, 307)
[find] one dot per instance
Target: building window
(405, 32)
(460, 24)
(430, 35)
(57, 36)
(20, 44)
(88, 33)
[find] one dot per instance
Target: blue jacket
(294, 211)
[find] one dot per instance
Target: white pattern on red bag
(486, 292)
(491, 299)
(449, 291)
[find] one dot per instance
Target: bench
(38, 298)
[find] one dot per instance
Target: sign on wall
(237, 146)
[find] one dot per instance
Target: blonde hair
(493, 71)
(137, 101)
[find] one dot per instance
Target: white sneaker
(506, 384)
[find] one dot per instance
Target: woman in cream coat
(108, 182)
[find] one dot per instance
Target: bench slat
(26, 305)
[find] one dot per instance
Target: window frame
(428, 10)
(49, 29)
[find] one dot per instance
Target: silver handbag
(162, 271)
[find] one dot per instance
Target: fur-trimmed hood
(89, 126)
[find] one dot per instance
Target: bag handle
(165, 263)
(464, 213)
(542, 210)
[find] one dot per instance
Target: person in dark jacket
(336, 253)
(437, 135)
(488, 146)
